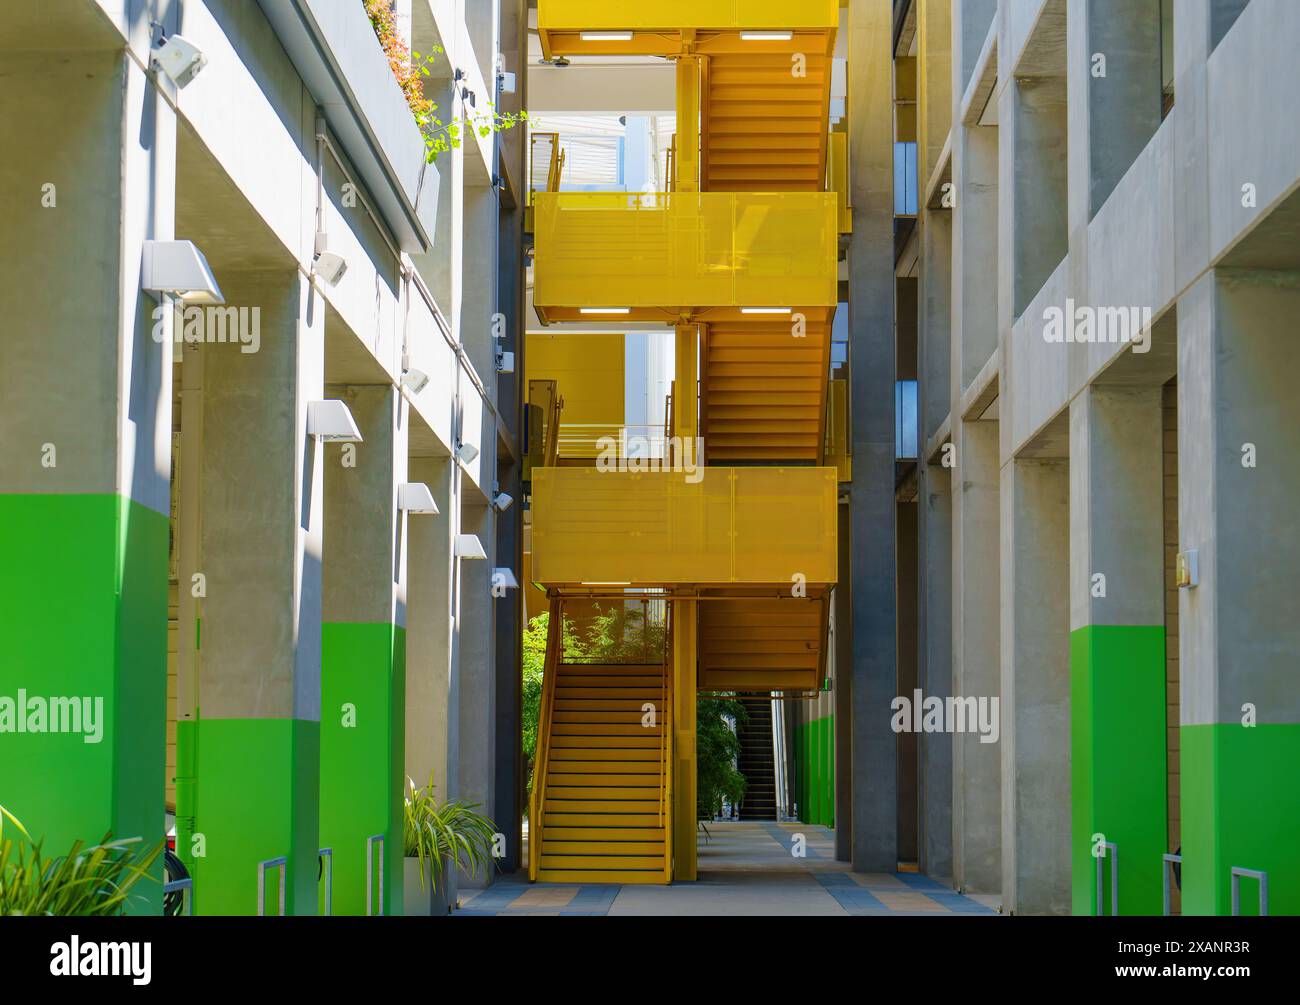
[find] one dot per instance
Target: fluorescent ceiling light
(605, 310)
(178, 268)
(607, 36)
(615, 582)
(765, 310)
(415, 497)
(332, 422)
(766, 36)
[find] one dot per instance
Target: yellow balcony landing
(658, 254)
(718, 526)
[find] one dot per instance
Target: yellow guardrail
(724, 249)
(712, 526)
(588, 15)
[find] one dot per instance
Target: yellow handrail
(537, 798)
(666, 747)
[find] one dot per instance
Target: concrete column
(934, 81)
(1238, 437)
(1117, 645)
(431, 720)
(363, 659)
(85, 454)
(476, 695)
(1122, 108)
(871, 322)
(974, 269)
(934, 502)
(1035, 713)
(1035, 176)
(256, 743)
(976, 767)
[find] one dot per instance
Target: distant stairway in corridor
(756, 760)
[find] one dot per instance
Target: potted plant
(93, 881)
(441, 838)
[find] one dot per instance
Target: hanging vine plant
(410, 69)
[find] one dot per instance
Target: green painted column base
(1240, 807)
(1118, 764)
(83, 588)
(363, 753)
(254, 797)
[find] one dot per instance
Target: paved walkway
(744, 869)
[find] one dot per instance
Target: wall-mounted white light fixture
(466, 453)
(502, 501)
(766, 36)
(504, 578)
(179, 58)
(415, 497)
(331, 422)
(178, 268)
(1187, 573)
(469, 547)
(505, 362)
(414, 380)
(329, 265)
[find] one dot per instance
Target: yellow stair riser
(626, 877)
(591, 848)
(602, 862)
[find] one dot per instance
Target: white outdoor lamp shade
(179, 268)
(505, 577)
(331, 421)
(469, 546)
(415, 497)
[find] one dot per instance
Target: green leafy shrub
(94, 881)
(439, 833)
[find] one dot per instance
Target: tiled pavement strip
(745, 869)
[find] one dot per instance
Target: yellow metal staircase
(601, 806)
(740, 257)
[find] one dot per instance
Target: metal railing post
(283, 863)
(328, 855)
(1114, 879)
(186, 887)
(370, 865)
(1237, 872)
(1165, 872)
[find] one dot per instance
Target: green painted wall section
(1118, 763)
(363, 754)
(1240, 807)
(814, 776)
(83, 588)
(255, 796)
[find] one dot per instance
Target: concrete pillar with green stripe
(248, 737)
(1117, 648)
(364, 654)
(85, 410)
(1238, 440)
